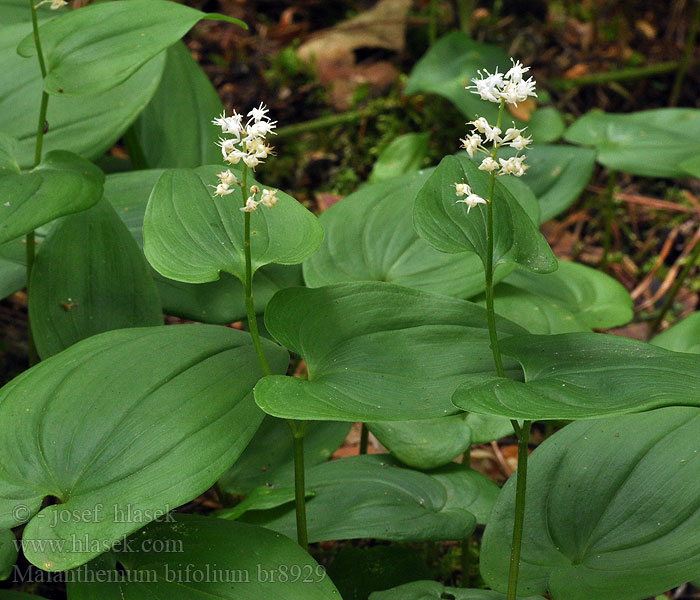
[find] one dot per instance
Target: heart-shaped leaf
(468, 487)
(402, 156)
(92, 50)
(449, 66)
(375, 352)
(427, 443)
(89, 277)
(201, 557)
(583, 376)
(557, 175)
(8, 553)
(219, 301)
(682, 337)
(376, 499)
(191, 235)
(573, 298)
(370, 237)
(81, 125)
(171, 130)
(15, 11)
(269, 458)
(650, 143)
(447, 226)
(611, 510)
(432, 590)
(63, 183)
(150, 418)
(8, 155)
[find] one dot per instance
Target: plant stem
(40, 130)
(683, 66)
(248, 285)
(298, 431)
(690, 263)
(364, 439)
(432, 23)
(609, 216)
(613, 76)
(519, 521)
(465, 8)
(466, 563)
(298, 427)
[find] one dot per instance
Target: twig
(683, 66)
(611, 76)
(322, 123)
(666, 248)
(646, 201)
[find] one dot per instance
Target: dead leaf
(524, 109)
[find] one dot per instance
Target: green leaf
(89, 277)
(468, 487)
(682, 337)
(173, 129)
(486, 428)
(201, 557)
(377, 500)
(370, 237)
(5, 595)
(403, 155)
(269, 458)
(375, 352)
(691, 166)
(611, 510)
(573, 298)
(432, 590)
(650, 143)
(13, 267)
(449, 66)
(583, 376)
(219, 301)
(427, 443)
(445, 224)
(8, 553)
(81, 125)
(263, 497)
(557, 175)
(150, 418)
(359, 571)
(191, 235)
(92, 50)
(16, 11)
(8, 155)
(63, 183)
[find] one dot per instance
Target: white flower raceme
(248, 145)
(471, 199)
(503, 88)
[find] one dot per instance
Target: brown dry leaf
(325, 200)
(646, 29)
(523, 110)
(575, 71)
(332, 50)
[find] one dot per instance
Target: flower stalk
(248, 146)
(501, 88)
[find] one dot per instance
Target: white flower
(259, 113)
(471, 143)
(492, 134)
(463, 189)
(222, 189)
(232, 124)
(471, 201)
(511, 134)
(227, 146)
(55, 4)
(520, 142)
(488, 164)
(235, 157)
(268, 198)
(480, 124)
(251, 160)
(513, 166)
(250, 205)
(227, 178)
(515, 73)
(487, 86)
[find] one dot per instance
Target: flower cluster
(471, 199)
(55, 4)
(510, 87)
(248, 142)
(247, 145)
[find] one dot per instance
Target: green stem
(519, 521)
(298, 431)
(298, 427)
(466, 561)
(615, 76)
(40, 130)
(690, 263)
(488, 271)
(248, 285)
(321, 123)
(683, 66)
(609, 216)
(364, 439)
(432, 23)
(465, 8)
